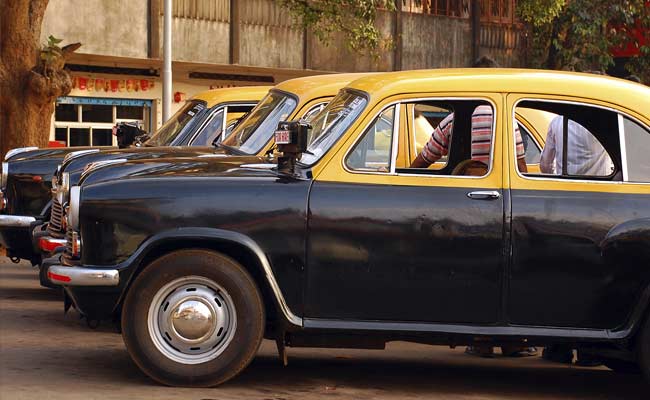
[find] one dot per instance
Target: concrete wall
(267, 37)
(199, 40)
(435, 42)
(336, 56)
(116, 27)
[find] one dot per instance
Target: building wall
(435, 42)
(115, 28)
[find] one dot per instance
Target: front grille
(55, 227)
(68, 243)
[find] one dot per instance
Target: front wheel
(193, 318)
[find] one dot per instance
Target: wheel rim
(192, 320)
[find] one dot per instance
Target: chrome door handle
(484, 195)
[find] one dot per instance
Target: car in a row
(336, 237)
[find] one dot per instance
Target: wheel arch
(237, 246)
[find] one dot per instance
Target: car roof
(232, 94)
(633, 96)
(313, 87)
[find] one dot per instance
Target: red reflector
(57, 277)
(48, 246)
(37, 178)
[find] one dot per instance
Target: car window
(424, 119)
(256, 129)
(210, 130)
(637, 145)
(313, 111)
(459, 138)
(531, 148)
(183, 119)
(329, 124)
(373, 151)
(586, 135)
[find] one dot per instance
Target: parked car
(344, 244)
(25, 188)
(292, 99)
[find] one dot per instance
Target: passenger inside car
(481, 132)
(582, 142)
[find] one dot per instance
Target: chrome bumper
(79, 276)
(16, 221)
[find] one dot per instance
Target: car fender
(205, 235)
(628, 245)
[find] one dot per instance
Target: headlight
(5, 174)
(73, 208)
(63, 188)
(55, 179)
(13, 152)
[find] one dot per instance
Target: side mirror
(291, 141)
(128, 133)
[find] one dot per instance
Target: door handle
(484, 195)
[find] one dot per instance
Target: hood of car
(205, 165)
(76, 166)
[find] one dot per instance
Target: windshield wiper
(231, 149)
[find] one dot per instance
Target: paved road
(46, 355)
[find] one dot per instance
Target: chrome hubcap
(191, 320)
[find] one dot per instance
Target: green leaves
(580, 35)
(354, 19)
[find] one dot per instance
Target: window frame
(554, 178)
(395, 150)
(393, 145)
(213, 112)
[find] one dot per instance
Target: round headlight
(63, 188)
(5, 174)
(73, 208)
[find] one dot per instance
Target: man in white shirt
(585, 155)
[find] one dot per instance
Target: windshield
(331, 123)
(177, 123)
(258, 128)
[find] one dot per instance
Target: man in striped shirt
(482, 120)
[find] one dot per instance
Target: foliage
(580, 34)
(355, 19)
(50, 54)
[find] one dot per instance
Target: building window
(494, 11)
(86, 121)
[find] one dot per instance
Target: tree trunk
(28, 89)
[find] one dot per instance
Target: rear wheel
(193, 318)
(644, 349)
(622, 367)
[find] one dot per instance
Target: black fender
(627, 245)
(199, 237)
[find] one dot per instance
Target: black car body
(28, 173)
(355, 247)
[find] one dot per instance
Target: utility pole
(167, 60)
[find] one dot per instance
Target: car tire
(643, 347)
(193, 318)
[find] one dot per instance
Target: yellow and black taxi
(522, 216)
(27, 173)
(299, 98)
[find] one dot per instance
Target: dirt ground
(46, 355)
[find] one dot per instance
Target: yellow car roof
(312, 87)
(630, 95)
(226, 95)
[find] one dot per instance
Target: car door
(568, 268)
(390, 243)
